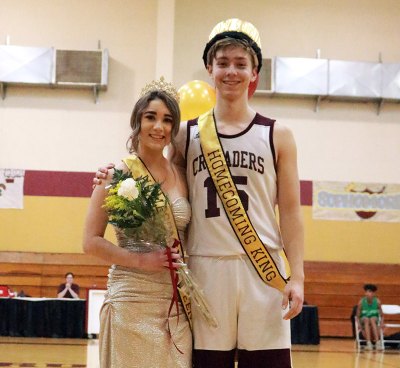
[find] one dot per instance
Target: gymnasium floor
(79, 353)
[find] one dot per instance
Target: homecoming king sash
(138, 168)
(238, 218)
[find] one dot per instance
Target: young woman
(135, 318)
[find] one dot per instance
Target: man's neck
(232, 117)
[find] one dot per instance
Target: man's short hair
(235, 42)
(69, 273)
(370, 287)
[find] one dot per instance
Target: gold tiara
(162, 86)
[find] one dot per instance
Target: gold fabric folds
(133, 323)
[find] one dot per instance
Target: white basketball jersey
(250, 157)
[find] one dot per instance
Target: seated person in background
(369, 313)
(68, 289)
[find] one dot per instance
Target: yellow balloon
(196, 97)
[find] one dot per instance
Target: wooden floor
(77, 353)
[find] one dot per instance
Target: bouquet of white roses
(137, 209)
(134, 207)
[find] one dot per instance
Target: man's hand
(294, 296)
(101, 174)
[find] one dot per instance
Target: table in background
(42, 317)
(305, 327)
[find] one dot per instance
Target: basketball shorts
(249, 312)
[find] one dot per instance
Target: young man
(369, 312)
(239, 165)
(261, 159)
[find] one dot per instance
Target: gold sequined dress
(133, 318)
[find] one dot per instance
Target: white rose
(128, 189)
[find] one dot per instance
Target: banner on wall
(12, 188)
(351, 201)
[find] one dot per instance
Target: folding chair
(390, 310)
(360, 339)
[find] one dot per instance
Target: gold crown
(160, 85)
(237, 25)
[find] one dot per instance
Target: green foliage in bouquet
(136, 207)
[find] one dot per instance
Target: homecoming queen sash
(238, 218)
(138, 168)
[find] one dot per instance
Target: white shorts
(248, 311)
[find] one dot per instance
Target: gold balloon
(196, 97)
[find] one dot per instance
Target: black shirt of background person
(74, 287)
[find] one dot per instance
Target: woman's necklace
(161, 174)
(160, 169)
(161, 177)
